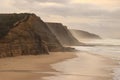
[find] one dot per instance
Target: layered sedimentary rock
(63, 34)
(24, 34)
(80, 34)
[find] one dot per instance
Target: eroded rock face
(42, 29)
(63, 34)
(25, 34)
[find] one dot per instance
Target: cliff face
(63, 34)
(46, 35)
(24, 34)
(84, 35)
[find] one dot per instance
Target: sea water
(71, 69)
(108, 48)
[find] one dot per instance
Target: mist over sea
(105, 47)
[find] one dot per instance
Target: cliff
(80, 34)
(25, 34)
(63, 34)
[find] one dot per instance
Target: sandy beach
(87, 66)
(26, 67)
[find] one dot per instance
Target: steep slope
(42, 29)
(80, 34)
(63, 34)
(24, 34)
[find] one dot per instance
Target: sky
(97, 16)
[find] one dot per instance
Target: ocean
(77, 68)
(105, 47)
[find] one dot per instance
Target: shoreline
(110, 63)
(31, 67)
(95, 67)
(87, 66)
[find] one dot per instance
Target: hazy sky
(97, 16)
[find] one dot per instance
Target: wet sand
(84, 66)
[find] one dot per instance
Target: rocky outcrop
(25, 34)
(80, 34)
(63, 34)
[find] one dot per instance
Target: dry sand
(91, 67)
(25, 67)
